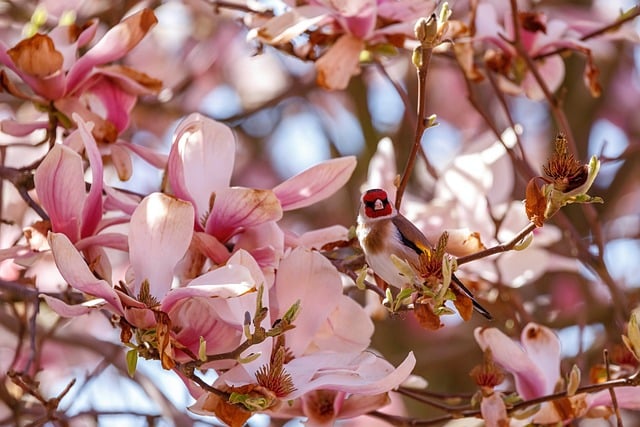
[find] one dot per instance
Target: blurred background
(588, 273)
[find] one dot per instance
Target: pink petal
(224, 282)
(150, 156)
(362, 374)
(310, 278)
(66, 310)
(359, 17)
(15, 128)
(119, 200)
(342, 61)
(92, 209)
(115, 102)
(315, 184)
(116, 43)
(493, 410)
(552, 71)
(211, 247)
(530, 381)
(627, 398)
(76, 272)
(543, 346)
(107, 240)
(201, 160)
(265, 242)
(160, 233)
(59, 183)
(237, 208)
(316, 239)
(348, 328)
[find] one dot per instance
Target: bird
(383, 231)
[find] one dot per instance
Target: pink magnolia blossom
(355, 26)
(535, 366)
(47, 64)
(328, 345)
(160, 232)
(539, 36)
(199, 170)
(65, 83)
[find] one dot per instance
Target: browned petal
(164, 340)
(37, 56)
(7, 85)
(232, 415)
(535, 203)
(144, 80)
(463, 304)
(426, 317)
(533, 22)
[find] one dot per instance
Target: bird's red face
(376, 203)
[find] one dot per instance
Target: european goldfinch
(383, 231)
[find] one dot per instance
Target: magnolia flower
(351, 27)
(199, 170)
(539, 37)
(324, 356)
(535, 366)
(66, 83)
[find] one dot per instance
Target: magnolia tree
(180, 187)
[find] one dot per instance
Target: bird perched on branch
(383, 231)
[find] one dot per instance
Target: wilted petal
(59, 183)
(530, 381)
(315, 184)
(285, 27)
(116, 43)
(121, 159)
(237, 208)
(201, 160)
(160, 233)
(76, 272)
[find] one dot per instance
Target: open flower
(345, 30)
(199, 170)
(535, 366)
(65, 81)
(324, 353)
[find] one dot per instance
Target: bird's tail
(476, 305)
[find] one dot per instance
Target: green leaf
(132, 362)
